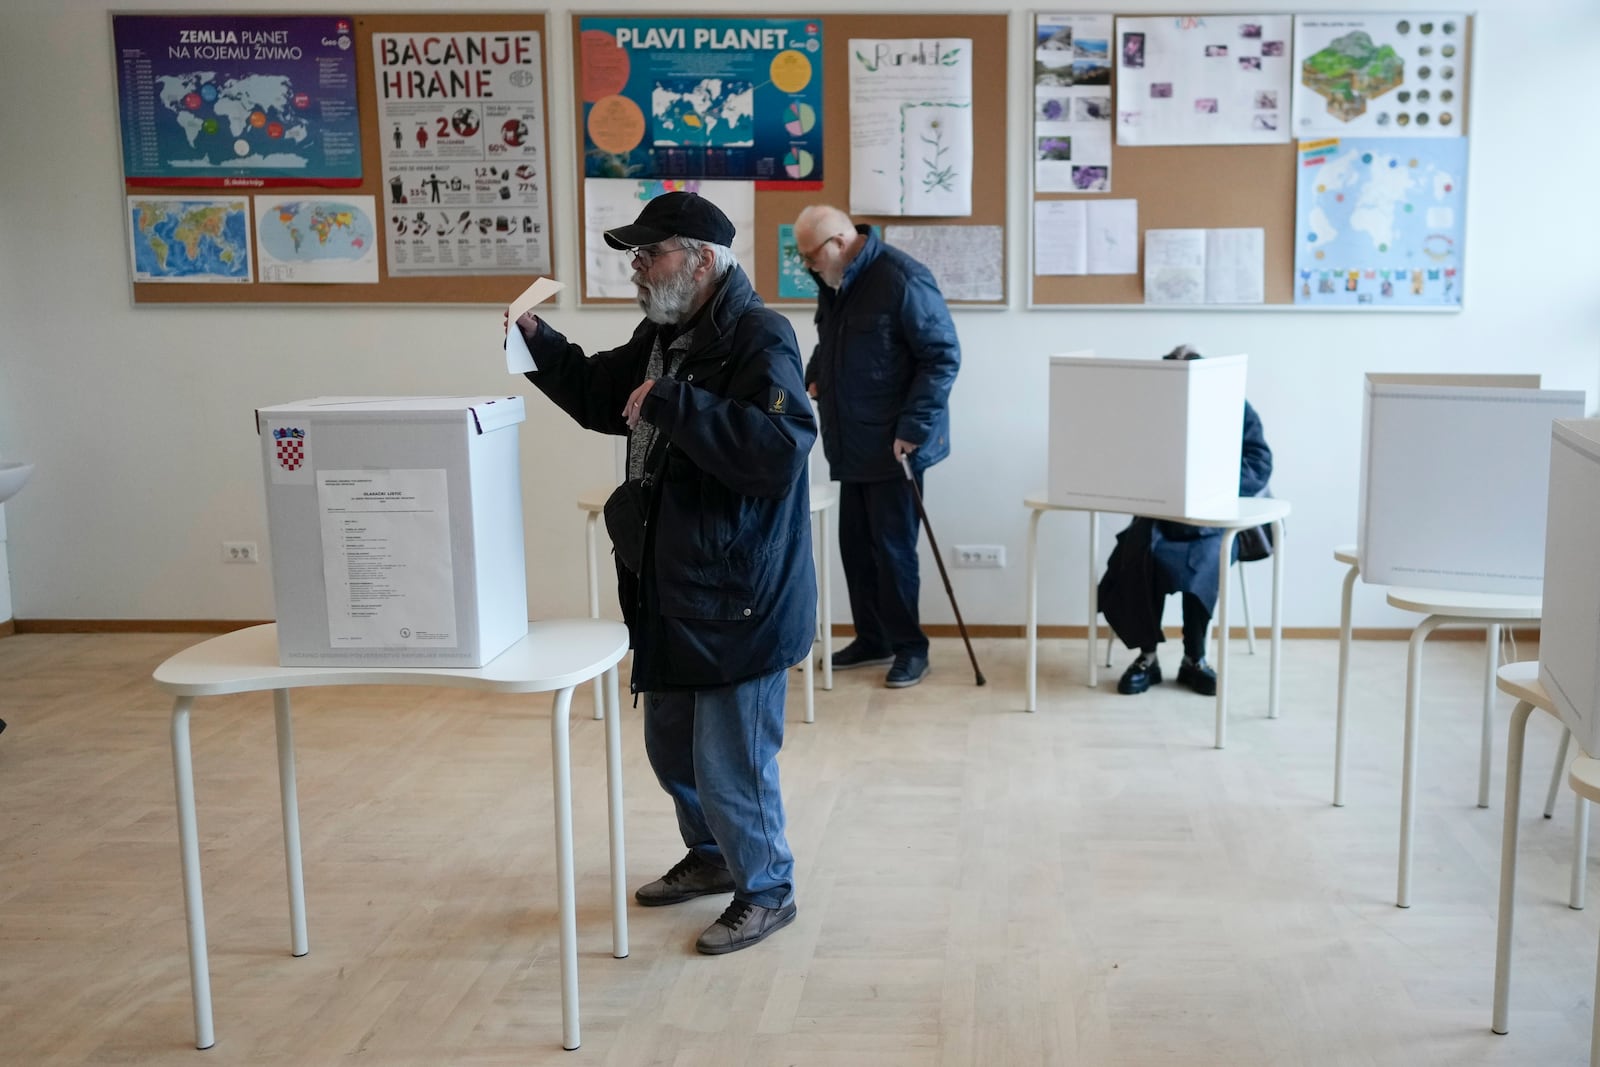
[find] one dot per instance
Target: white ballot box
(1152, 436)
(1569, 636)
(396, 529)
(1453, 476)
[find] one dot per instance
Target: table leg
(194, 905)
(566, 891)
(1580, 852)
(290, 803)
(619, 863)
(1032, 625)
(1274, 672)
(1508, 864)
(1094, 601)
(825, 580)
(1491, 664)
(1408, 776)
(1558, 773)
(1226, 550)
(591, 520)
(1344, 682)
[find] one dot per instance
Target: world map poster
(215, 101)
(1380, 222)
(702, 98)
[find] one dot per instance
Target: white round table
(555, 656)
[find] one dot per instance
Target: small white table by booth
(1443, 607)
(1252, 511)
(555, 656)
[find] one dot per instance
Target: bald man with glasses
(886, 357)
(712, 535)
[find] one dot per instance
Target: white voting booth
(1453, 480)
(1569, 638)
(1146, 436)
(396, 529)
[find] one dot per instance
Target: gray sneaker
(742, 925)
(690, 877)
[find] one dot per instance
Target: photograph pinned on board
(1133, 50)
(1216, 50)
(1266, 100)
(1090, 72)
(1160, 90)
(1250, 29)
(1272, 48)
(1249, 62)
(1206, 105)
(1055, 149)
(1091, 179)
(1052, 108)
(1264, 122)
(1091, 109)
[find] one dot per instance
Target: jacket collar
(864, 259)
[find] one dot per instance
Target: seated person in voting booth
(712, 536)
(1154, 558)
(886, 357)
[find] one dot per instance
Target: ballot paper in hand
(518, 359)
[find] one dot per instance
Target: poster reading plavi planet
(247, 101)
(702, 98)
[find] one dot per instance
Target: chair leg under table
(1491, 664)
(1226, 549)
(1557, 773)
(1344, 684)
(194, 905)
(1274, 668)
(591, 520)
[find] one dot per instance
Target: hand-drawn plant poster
(1072, 104)
(911, 127)
(1213, 79)
(1380, 75)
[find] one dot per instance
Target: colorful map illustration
(708, 112)
(1380, 221)
(189, 240)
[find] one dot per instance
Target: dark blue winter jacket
(727, 590)
(886, 357)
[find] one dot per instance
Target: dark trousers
(878, 548)
(1196, 619)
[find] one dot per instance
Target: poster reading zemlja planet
(702, 98)
(461, 125)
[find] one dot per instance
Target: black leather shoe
(908, 670)
(1198, 676)
(855, 654)
(1141, 675)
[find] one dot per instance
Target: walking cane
(938, 558)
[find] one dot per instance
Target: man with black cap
(712, 533)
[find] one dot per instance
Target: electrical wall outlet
(980, 555)
(240, 552)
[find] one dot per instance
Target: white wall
(140, 419)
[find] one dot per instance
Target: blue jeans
(878, 530)
(715, 752)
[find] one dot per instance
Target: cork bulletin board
(1199, 187)
(455, 288)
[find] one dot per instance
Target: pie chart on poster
(800, 119)
(798, 163)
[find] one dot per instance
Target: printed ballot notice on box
(1569, 635)
(1453, 474)
(396, 529)
(1146, 436)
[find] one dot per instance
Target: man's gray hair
(722, 255)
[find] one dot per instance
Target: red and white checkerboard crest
(291, 447)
